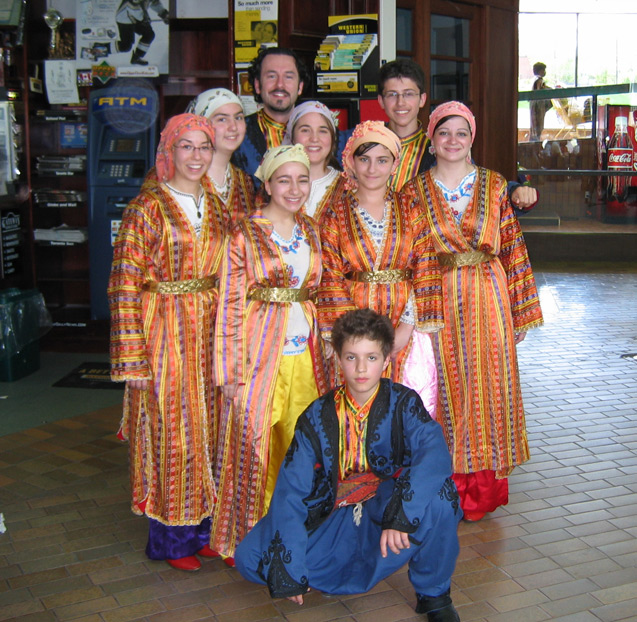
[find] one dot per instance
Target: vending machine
(617, 152)
(121, 149)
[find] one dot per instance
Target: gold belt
(280, 294)
(380, 276)
(456, 260)
(181, 287)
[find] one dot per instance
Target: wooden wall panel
(199, 46)
(300, 21)
(510, 5)
(302, 27)
(353, 7)
(499, 91)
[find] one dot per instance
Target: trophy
(53, 19)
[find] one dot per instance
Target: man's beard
(278, 104)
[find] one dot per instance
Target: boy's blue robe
(304, 541)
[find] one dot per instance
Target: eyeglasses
(188, 149)
(408, 96)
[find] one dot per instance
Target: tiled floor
(33, 401)
(565, 548)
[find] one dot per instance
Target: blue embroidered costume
(305, 540)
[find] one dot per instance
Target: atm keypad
(118, 170)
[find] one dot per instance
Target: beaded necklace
(458, 199)
(223, 190)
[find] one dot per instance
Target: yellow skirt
(294, 391)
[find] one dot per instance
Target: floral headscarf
(208, 102)
(368, 132)
(300, 111)
(175, 128)
(277, 156)
(451, 109)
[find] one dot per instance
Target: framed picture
(73, 135)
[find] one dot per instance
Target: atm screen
(125, 145)
(128, 145)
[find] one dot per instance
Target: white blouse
(296, 256)
(318, 190)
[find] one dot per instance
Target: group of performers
(224, 301)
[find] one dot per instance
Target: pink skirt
(419, 371)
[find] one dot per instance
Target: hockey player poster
(131, 35)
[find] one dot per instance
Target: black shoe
(138, 61)
(437, 608)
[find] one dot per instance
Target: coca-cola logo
(625, 157)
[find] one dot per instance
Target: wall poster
(256, 25)
(131, 35)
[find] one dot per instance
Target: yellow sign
(256, 25)
(337, 82)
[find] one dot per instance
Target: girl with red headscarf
(480, 264)
(163, 299)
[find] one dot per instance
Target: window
(450, 61)
(404, 21)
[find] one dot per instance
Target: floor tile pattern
(564, 549)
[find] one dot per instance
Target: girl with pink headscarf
(163, 298)
(371, 259)
(312, 125)
(480, 265)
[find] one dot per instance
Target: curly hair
(254, 70)
(363, 324)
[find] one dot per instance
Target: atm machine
(121, 149)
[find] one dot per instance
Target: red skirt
(481, 492)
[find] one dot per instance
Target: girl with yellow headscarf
(269, 360)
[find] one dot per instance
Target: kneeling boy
(364, 488)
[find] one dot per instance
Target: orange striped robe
(479, 398)
(240, 202)
(241, 199)
(347, 247)
(249, 341)
(167, 339)
(413, 149)
(334, 191)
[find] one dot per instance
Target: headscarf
(300, 111)
(277, 156)
(368, 132)
(451, 109)
(175, 128)
(208, 102)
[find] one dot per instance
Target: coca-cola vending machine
(617, 151)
